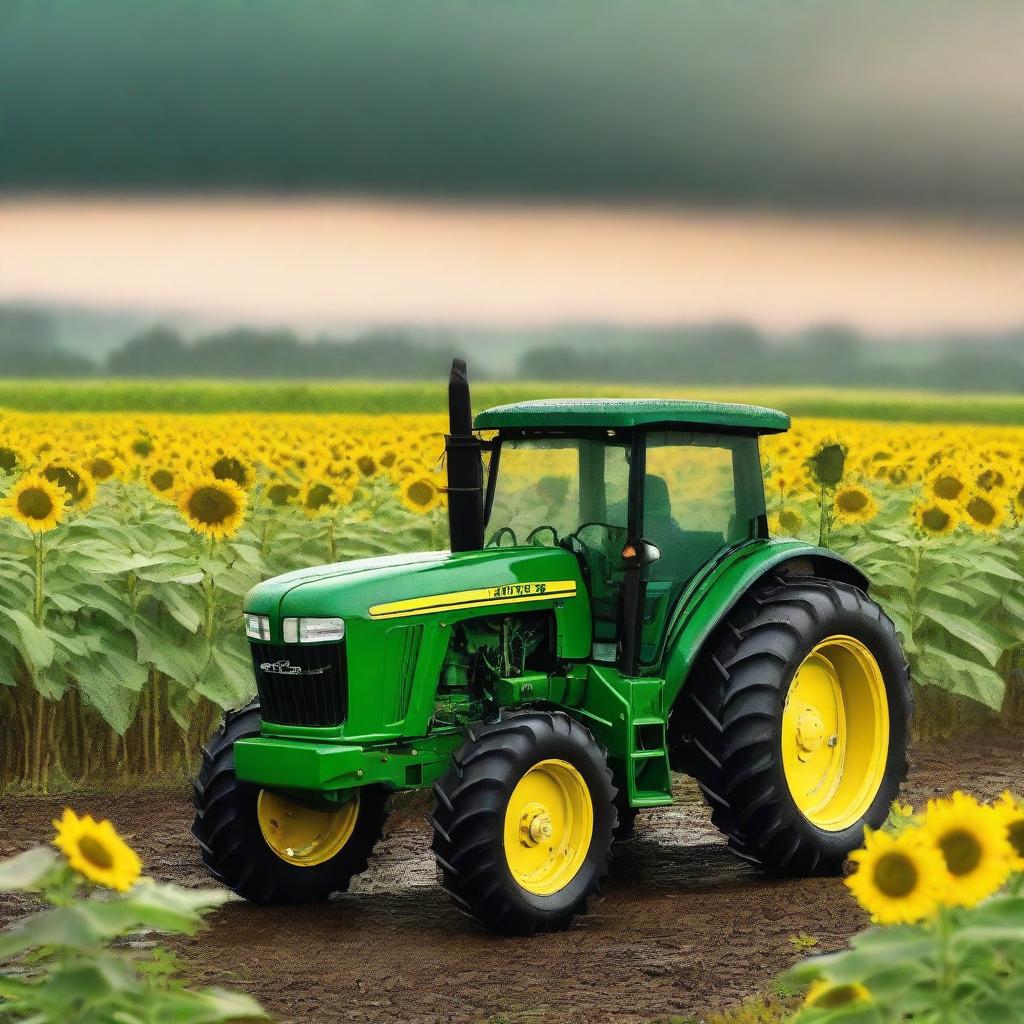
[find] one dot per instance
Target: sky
(321, 262)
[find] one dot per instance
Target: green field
(379, 397)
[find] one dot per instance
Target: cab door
(702, 493)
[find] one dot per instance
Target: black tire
(232, 844)
(468, 821)
(625, 826)
(727, 726)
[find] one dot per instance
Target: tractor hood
(450, 585)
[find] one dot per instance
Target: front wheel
(523, 823)
(796, 724)
(273, 848)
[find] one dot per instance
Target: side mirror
(640, 553)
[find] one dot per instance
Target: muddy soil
(682, 926)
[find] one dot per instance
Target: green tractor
(612, 608)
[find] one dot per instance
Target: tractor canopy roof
(566, 413)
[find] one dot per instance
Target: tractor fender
(712, 596)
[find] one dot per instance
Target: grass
(382, 397)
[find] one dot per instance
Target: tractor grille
(301, 684)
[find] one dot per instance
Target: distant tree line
(727, 354)
(829, 355)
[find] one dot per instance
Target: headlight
(312, 631)
(257, 627)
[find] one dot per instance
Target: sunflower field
(127, 541)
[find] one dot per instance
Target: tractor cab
(645, 493)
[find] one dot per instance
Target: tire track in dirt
(681, 927)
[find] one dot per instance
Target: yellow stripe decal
(508, 593)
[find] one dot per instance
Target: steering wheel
(531, 537)
(495, 541)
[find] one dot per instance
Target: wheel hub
(810, 732)
(536, 826)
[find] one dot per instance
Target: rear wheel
(523, 823)
(795, 723)
(275, 848)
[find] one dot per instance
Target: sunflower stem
(947, 969)
(38, 607)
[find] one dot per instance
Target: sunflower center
(948, 488)
(8, 459)
(281, 494)
(790, 520)
(95, 853)
(101, 469)
(229, 468)
(1016, 835)
(211, 505)
(827, 464)
(853, 501)
(34, 503)
(64, 476)
(895, 875)
(935, 519)
(989, 478)
(367, 465)
(162, 479)
(319, 495)
(420, 493)
(961, 850)
(839, 995)
(981, 510)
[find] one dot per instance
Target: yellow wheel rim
(549, 822)
(835, 733)
(304, 836)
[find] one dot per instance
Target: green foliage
(140, 617)
(375, 397)
(954, 604)
(69, 963)
(965, 968)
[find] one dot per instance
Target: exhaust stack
(465, 469)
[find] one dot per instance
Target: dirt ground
(682, 926)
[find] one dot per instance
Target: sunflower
(947, 482)
(829, 995)
(1011, 813)
(160, 480)
(212, 507)
(936, 517)
(854, 505)
(984, 512)
(420, 494)
(281, 492)
(974, 845)
(827, 463)
(74, 479)
(367, 462)
(103, 466)
(233, 467)
(321, 497)
(141, 447)
(897, 877)
(788, 522)
(11, 458)
(36, 502)
(96, 851)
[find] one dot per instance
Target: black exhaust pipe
(465, 467)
